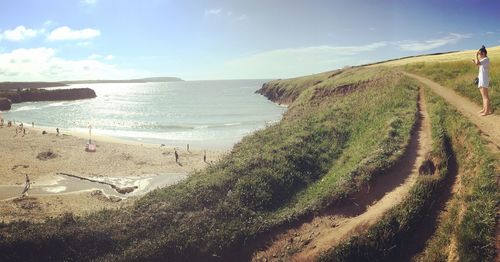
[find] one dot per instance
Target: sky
(57, 40)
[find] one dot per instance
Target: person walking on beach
(205, 156)
(187, 147)
(176, 156)
(26, 186)
(483, 62)
(57, 130)
(33, 124)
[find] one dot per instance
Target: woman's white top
(484, 70)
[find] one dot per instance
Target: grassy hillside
(465, 227)
(336, 135)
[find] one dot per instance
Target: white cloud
(242, 17)
(95, 56)
(42, 64)
(48, 23)
(213, 11)
(298, 61)
(84, 44)
(66, 33)
(88, 2)
(98, 56)
(452, 38)
(19, 33)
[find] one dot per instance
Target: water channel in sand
(66, 184)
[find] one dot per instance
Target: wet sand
(43, 156)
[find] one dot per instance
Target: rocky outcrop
(5, 104)
(34, 95)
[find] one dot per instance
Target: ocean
(204, 114)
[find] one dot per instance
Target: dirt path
(489, 125)
(307, 240)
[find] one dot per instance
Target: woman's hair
(483, 50)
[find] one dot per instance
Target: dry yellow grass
(493, 53)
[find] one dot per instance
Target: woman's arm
(476, 61)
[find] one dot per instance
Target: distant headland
(32, 85)
(140, 80)
(7, 98)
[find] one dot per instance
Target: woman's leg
(486, 101)
(482, 96)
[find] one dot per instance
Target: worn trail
(359, 212)
(489, 125)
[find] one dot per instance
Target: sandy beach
(43, 156)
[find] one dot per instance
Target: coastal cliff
(34, 95)
(5, 103)
(285, 91)
(277, 92)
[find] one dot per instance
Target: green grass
(459, 76)
(470, 219)
(330, 141)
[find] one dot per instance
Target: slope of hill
(461, 225)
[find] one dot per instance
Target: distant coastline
(140, 80)
(34, 85)
(7, 98)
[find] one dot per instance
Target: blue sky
(222, 39)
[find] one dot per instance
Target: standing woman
(483, 62)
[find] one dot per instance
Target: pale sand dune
(114, 158)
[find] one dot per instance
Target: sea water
(204, 114)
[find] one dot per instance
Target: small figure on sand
(176, 156)
(57, 130)
(205, 156)
(33, 124)
(187, 147)
(26, 186)
(24, 132)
